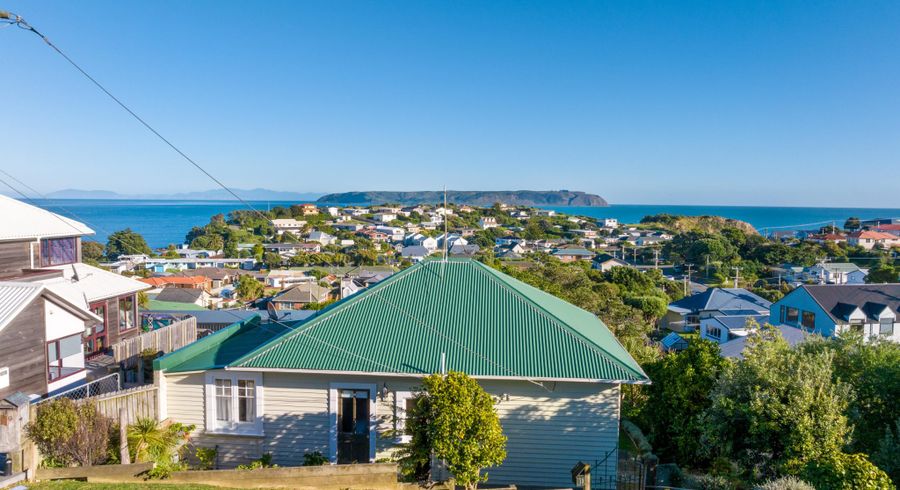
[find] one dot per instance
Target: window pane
(887, 327)
(223, 400)
(809, 319)
(126, 313)
(58, 251)
(246, 401)
(69, 346)
(52, 354)
(793, 314)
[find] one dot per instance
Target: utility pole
(635, 254)
(656, 258)
(737, 275)
(687, 278)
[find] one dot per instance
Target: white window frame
(333, 390)
(254, 428)
(400, 398)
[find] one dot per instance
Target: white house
(384, 217)
(340, 383)
(290, 225)
(487, 222)
(836, 273)
(610, 223)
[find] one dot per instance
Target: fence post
(124, 457)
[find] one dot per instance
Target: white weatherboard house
(340, 382)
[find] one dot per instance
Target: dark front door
(353, 426)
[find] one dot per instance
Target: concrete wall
(548, 430)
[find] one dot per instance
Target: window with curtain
(223, 400)
(809, 320)
(246, 400)
(59, 251)
(886, 326)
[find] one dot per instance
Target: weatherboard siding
(548, 431)
(22, 351)
(15, 256)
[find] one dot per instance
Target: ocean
(164, 222)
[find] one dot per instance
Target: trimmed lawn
(79, 485)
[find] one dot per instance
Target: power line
(21, 23)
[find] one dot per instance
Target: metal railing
(99, 386)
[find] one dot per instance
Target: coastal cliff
(472, 198)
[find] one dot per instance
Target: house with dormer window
(832, 309)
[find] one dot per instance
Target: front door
(95, 342)
(353, 427)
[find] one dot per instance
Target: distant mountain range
(472, 198)
(210, 195)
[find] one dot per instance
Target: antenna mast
(446, 236)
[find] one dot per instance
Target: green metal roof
(221, 348)
(485, 322)
(155, 305)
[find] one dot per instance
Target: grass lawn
(79, 485)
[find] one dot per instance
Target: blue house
(828, 310)
(686, 314)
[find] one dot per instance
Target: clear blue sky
(768, 103)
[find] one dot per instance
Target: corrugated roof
(94, 283)
(22, 221)
(14, 297)
(721, 299)
(840, 299)
(485, 322)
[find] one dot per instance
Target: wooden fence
(140, 402)
(165, 339)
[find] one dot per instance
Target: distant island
(210, 195)
(472, 198)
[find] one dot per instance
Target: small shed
(674, 343)
(14, 416)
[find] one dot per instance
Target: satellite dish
(273, 313)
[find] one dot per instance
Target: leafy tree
(455, 420)
(248, 288)
(777, 409)
(887, 456)
(68, 433)
(852, 223)
(676, 399)
(91, 252)
(171, 252)
(208, 242)
(883, 272)
(273, 260)
(231, 250)
(126, 242)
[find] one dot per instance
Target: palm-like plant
(150, 440)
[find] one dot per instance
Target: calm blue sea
(165, 222)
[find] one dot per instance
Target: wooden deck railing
(165, 339)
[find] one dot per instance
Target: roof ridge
(561, 324)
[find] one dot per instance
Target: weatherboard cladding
(486, 323)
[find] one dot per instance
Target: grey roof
(303, 293)
(721, 299)
(735, 348)
(414, 251)
(179, 295)
(573, 251)
(838, 300)
(218, 317)
(738, 322)
(460, 250)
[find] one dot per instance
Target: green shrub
(264, 461)
(67, 433)
(161, 471)
(707, 482)
(149, 440)
(314, 459)
(785, 483)
(206, 457)
(842, 471)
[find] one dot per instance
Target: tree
(455, 420)
(91, 252)
(208, 242)
(777, 409)
(171, 252)
(273, 260)
(881, 273)
(69, 433)
(840, 471)
(248, 288)
(852, 223)
(676, 399)
(126, 242)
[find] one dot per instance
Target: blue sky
(760, 103)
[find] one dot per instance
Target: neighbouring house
(468, 250)
(286, 278)
(426, 241)
(685, 314)
(348, 226)
(194, 296)
(724, 328)
(340, 382)
(374, 236)
(333, 211)
(610, 223)
(547, 213)
(309, 209)
(605, 262)
(870, 239)
(39, 246)
(289, 225)
(178, 282)
(159, 265)
(396, 234)
(451, 240)
(415, 253)
(41, 348)
(573, 254)
(300, 295)
(829, 310)
(734, 349)
(322, 238)
(487, 222)
(384, 217)
(893, 229)
(219, 277)
(836, 273)
(584, 233)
